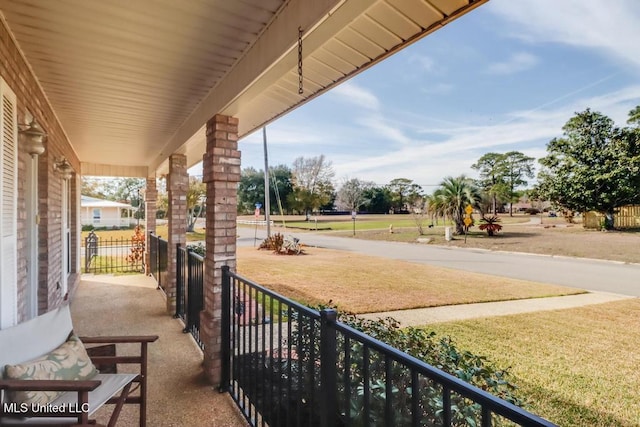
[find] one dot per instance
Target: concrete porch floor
(178, 394)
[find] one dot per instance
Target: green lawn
(366, 284)
(577, 367)
(347, 224)
(161, 231)
(370, 222)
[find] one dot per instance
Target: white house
(105, 213)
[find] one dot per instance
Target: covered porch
(148, 89)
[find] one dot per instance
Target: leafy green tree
(351, 195)
(491, 169)
(403, 193)
(251, 188)
(516, 167)
(634, 116)
(501, 174)
(96, 187)
(312, 186)
(127, 190)
(595, 166)
(453, 196)
(196, 195)
(280, 186)
(377, 200)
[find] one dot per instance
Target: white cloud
(376, 125)
(285, 135)
(381, 145)
(427, 162)
(354, 94)
(517, 62)
(611, 27)
(437, 88)
(426, 63)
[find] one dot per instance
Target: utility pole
(267, 206)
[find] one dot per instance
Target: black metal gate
(112, 255)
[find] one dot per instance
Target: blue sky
(507, 76)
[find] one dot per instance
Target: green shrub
(88, 227)
(440, 352)
(199, 248)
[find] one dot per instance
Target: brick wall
(15, 71)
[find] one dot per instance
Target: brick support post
(177, 186)
(150, 208)
(221, 173)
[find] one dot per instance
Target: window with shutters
(8, 206)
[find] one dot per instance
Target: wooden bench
(79, 398)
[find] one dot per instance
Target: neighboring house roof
(522, 205)
(92, 202)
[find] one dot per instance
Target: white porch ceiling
(133, 81)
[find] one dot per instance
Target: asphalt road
(593, 275)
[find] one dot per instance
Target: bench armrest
(119, 339)
(49, 385)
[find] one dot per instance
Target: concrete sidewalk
(424, 316)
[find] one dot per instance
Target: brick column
(177, 186)
(221, 173)
(150, 208)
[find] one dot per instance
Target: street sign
(468, 221)
(468, 209)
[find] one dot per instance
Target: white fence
(254, 222)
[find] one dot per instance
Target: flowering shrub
(137, 246)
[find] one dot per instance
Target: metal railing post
(328, 374)
(180, 283)
(188, 296)
(225, 378)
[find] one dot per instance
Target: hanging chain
(300, 78)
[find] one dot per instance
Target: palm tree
(453, 196)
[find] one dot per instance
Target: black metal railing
(153, 255)
(158, 259)
(285, 364)
(112, 255)
(189, 291)
(163, 263)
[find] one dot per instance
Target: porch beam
(221, 173)
(99, 169)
